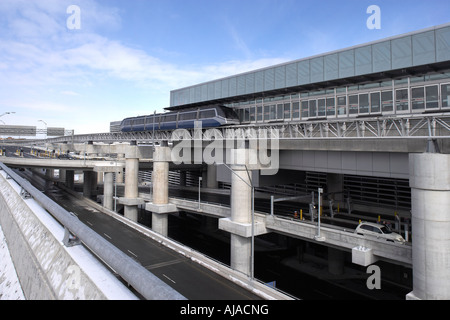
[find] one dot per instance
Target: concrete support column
(62, 175)
(108, 190)
(70, 176)
(87, 183)
(131, 187)
(430, 210)
(160, 206)
(240, 213)
(211, 179)
(182, 178)
(335, 261)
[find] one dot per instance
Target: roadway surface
(188, 278)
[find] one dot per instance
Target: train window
(259, 113)
(417, 98)
(312, 108)
(321, 108)
(331, 109)
(445, 94)
(387, 101)
(204, 114)
(401, 99)
(139, 121)
(431, 94)
(287, 111)
(375, 102)
(353, 104)
(305, 109)
(342, 105)
(364, 103)
(252, 113)
(295, 110)
(188, 115)
(280, 111)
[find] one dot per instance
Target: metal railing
(143, 281)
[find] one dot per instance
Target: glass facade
(399, 96)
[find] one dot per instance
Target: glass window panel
(317, 69)
(375, 102)
(381, 56)
(363, 60)
(445, 94)
(259, 113)
(321, 108)
(417, 98)
(252, 113)
(266, 112)
(424, 48)
(353, 104)
(287, 111)
(342, 105)
(431, 93)
(280, 111)
(246, 114)
(295, 110)
(387, 104)
(364, 103)
(331, 66)
(273, 112)
(401, 53)
(443, 44)
(305, 109)
(331, 109)
(401, 99)
(312, 108)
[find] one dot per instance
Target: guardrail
(143, 281)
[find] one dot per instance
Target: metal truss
(408, 126)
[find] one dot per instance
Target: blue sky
(127, 55)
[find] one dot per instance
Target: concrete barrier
(46, 268)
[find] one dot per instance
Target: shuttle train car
(213, 116)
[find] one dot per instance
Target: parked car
(378, 231)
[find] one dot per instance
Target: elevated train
(211, 116)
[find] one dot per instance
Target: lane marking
(89, 223)
(134, 254)
(107, 236)
(168, 278)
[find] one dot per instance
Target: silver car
(378, 231)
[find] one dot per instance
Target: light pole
(199, 184)
(318, 237)
(252, 255)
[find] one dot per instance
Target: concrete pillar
(211, 179)
(108, 190)
(430, 210)
(62, 175)
(240, 213)
(49, 173)
(131, 187)
(182, 178)
(87, 183)
(335, 261)
(70, 174)
(160, 177)
(119, 176)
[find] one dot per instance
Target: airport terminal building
(398, 76)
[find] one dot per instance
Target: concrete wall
(45, 267)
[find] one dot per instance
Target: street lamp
(252, 256)
(9, 112)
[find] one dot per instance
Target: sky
(80, 64)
